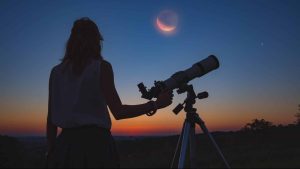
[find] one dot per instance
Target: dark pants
(84, 147)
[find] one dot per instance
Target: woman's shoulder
(56, 67)
(106, 64)
(101, 61)
(54, 71)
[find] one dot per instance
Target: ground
(272, 148)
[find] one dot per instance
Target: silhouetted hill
(274, 147)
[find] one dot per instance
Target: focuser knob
(142, 88)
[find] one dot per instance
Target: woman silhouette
(80, 89)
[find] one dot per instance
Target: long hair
(85, 42)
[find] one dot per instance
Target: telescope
(180, 78)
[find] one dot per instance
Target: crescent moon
(164, 27)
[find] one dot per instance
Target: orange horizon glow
(30, 119)
(140, 126)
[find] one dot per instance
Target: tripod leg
(185, 140)
(178, 146)
(193, 146)
(205, 130)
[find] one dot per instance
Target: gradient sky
(257, 43)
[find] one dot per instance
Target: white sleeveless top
(77, 100)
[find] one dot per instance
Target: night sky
(256, 41)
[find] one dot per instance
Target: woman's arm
(51, 128)
(113, 100)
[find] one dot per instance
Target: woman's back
(77, 100)
(79, 94)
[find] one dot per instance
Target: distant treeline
(262, 124)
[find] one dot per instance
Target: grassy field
(272, 148)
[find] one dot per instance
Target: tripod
(188, 131)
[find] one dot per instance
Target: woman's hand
(164, 99)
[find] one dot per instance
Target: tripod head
(190, 99)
